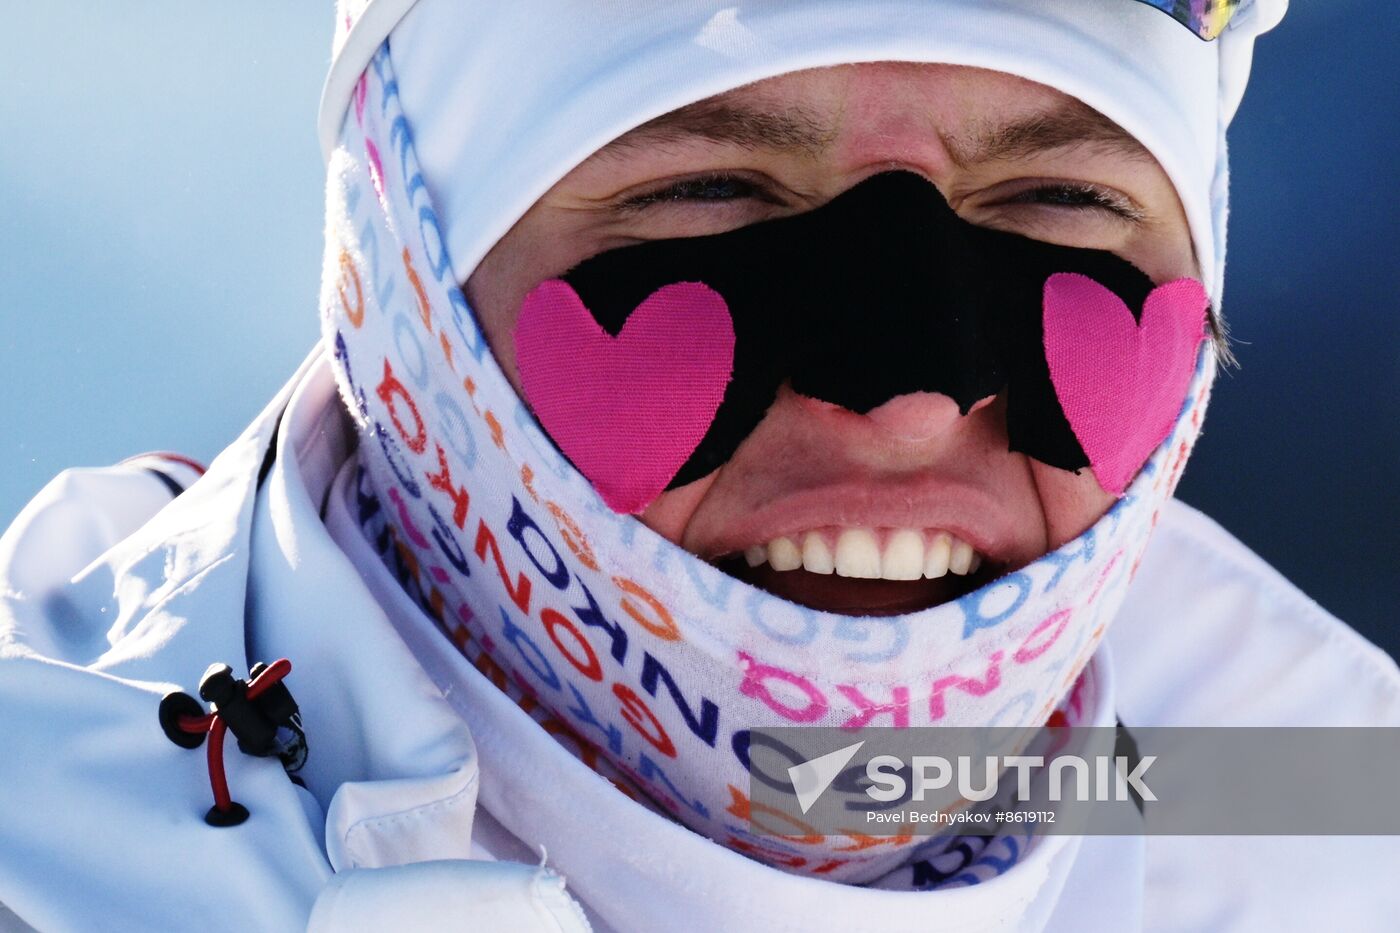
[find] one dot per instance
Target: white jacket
(113, 593)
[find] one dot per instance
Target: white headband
(506, 98)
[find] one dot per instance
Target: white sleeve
(81, 513)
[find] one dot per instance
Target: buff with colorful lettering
(641, 658)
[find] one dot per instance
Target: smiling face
(911, 504)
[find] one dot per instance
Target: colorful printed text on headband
(1206, 18)
(649, 365)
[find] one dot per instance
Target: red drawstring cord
(195, 724)
(269, 675)
(214, 727)
(218, 779)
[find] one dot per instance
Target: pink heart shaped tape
(1121, 382)
(629, 410)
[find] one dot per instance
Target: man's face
(911, 504)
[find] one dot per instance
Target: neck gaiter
(639, 656)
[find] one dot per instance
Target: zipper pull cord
(255, 710)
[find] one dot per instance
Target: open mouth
(864, 571)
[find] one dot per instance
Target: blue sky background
(160, 238)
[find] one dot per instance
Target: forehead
(978, 115)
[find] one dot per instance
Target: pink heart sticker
(629, 410)
(1121, 382)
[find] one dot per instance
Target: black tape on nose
(881, 292)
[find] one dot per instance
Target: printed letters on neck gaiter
(639, 657)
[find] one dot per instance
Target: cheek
(1164, 250)
(494, 292)
(1071, 502)
(526, 256)
(671, 512)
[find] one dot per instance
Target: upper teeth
(869, 554)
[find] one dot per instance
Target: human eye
(706, 189)
(1074, 196)
(1065, 211)
(1080, 195)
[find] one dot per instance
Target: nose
(919, 416)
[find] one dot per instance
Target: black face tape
(881, 292)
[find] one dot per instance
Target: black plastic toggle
(228, 697)
(259, 711)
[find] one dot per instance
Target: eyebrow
(1070, 124)
(729, 120)
(722, 119)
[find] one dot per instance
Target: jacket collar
(408, 794)
(394, 715)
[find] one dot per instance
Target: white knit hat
(504, 99)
